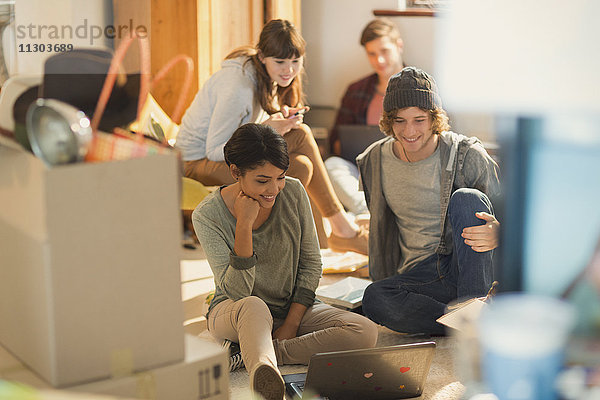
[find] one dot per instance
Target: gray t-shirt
(286, 265)
(412, 191)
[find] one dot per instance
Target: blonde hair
(280, 39)
(439, 120)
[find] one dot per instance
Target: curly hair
(440, 122)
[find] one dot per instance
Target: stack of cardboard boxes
(90, 290)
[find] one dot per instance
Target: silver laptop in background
(354, 139)
(386, 373)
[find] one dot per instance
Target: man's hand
(482, 238)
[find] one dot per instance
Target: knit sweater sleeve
(309, 264)
(234, 275)
(480, 171)
(232, 98)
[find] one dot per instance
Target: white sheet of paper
(465, 314)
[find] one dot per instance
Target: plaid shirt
(355, 103)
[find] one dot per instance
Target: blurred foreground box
(89, 266)
(202, 375)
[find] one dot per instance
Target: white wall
(335, 57)
(73, 13)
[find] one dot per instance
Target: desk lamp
(58, 132)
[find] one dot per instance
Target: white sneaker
(267, 383)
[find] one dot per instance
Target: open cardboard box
(89, 266)
(202, 375)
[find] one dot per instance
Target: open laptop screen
(354, 139)
(392, 372)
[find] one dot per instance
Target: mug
(523, 338)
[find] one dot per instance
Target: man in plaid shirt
(362, 104)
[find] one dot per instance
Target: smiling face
(414, 135)
(263, 183)
(385, 56)
(282, 70)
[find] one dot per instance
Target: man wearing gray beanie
(432, 227)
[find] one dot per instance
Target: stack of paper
(335, 263)
(347, 293)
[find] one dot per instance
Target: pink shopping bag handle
(109, 82)
(187, 83)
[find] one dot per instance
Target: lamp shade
(58, 132)
(523, 56)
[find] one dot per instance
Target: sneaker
(357, 244)
(235, 355)
(267, 383)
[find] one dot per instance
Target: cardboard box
(12, 369)
(203, 375)
(64, 395)
(19, 382)
(89, 266)
(15, 391)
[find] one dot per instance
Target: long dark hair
(252, 145)
(280, 39)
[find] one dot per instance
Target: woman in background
(260, 241)
(263, 85)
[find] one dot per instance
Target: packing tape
(146, 386)
(121, 363)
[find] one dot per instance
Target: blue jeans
(412, 301)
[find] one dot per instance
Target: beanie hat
(411, 87)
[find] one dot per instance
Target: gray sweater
(464, 163)
(286, 265)
(226, 101)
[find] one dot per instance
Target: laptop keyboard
(298, 388)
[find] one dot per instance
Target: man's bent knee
(462, 195)
(371, 301)
(467, 200)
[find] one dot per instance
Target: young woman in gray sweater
(263, 85)
(261, 244)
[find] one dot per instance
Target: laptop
(392, 372)
(354, 139)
